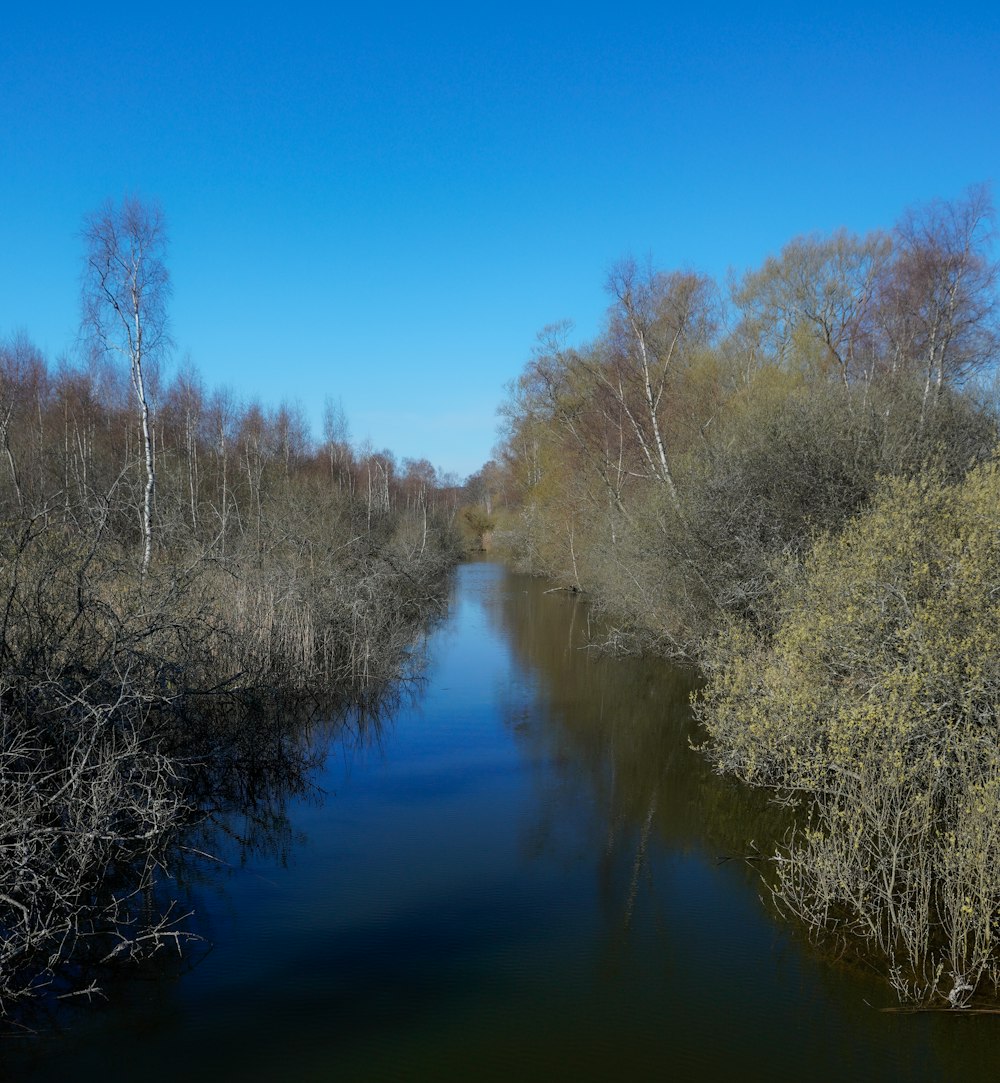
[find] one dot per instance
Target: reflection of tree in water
(88, 805)
(616, 735)
(249, 759)
(254, 757)
(108, 826)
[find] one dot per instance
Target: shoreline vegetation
(795, 488)
(183, 578)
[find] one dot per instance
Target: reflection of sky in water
(521, 874)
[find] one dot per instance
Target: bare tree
(574, 392)
(125, 291)
(814, 304)
(337, 438)
(656, 318)
(938, 307)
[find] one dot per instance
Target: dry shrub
(87, 805)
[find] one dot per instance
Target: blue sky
(386, 205)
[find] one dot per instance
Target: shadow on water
(517, 868)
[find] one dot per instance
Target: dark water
(524, 873)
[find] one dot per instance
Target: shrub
(876, 702)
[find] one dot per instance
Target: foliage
(479, 523)
(669, 468)
(877, 700)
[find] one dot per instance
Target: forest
(792, 484)
(180, 572)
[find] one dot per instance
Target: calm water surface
(523, 873)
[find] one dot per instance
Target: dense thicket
(273, 561)
(278, 571)
(665, 466)
(878, 697)
(682, 467)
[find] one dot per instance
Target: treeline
(183, 577)
(694, 469)
(265, 543)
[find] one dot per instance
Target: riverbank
(521, 870)
(133, 704)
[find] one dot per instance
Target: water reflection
(617, 734)
(620, 731)
(236, 768)
(519, 870)
(253, 758)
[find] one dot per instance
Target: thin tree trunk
(147, 439)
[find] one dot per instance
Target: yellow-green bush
(877, 701)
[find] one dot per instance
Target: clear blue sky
(386, 205)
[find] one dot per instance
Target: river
(522, 872)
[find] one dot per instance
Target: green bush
(876, 701)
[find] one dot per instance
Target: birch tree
(125, 292)
(655, 320)
(938, 304)
(813, 306)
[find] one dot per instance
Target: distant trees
(337, 440)
(243, 499)
(480, 523)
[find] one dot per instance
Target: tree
(337, 439)
(813, 305)
(938, 307)
(656, 319)
(480, 522)
(125, 292)
(572, 397)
